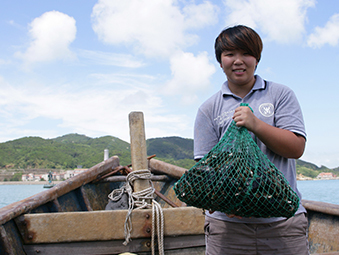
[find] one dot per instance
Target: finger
(233, 215)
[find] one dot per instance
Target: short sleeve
(288, 113)
(205, 136)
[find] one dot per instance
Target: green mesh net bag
(236, 177)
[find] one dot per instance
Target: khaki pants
(287, 237)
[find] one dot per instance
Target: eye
(228, 54)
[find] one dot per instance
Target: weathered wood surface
(323, 227)
(138, 140)
(166, 168)
(138, 148)
(106, 225)
(323, 207)
(179, 245)
(122, 178)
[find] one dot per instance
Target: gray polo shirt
(272, 103)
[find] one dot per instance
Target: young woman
(277, 126)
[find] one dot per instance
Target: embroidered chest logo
(221, 119)
(266, 109)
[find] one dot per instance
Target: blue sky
(82, 66)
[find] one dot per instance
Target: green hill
(65, 152)
(70, 151)
(174, 150)
(312, 170)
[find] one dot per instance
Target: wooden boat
(70, 218)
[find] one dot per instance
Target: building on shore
(326, 176)
(56, 176)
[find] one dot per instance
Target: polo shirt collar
(259, 84)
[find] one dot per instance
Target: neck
(241, 90)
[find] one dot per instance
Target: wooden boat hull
(70, 218)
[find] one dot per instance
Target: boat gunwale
(322, 207)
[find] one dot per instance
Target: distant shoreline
(56, 182)
(27, 183)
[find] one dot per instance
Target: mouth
(239, 70)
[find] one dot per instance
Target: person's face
(239, 67)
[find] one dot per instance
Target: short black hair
(238, 38)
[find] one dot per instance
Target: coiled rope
(159, 222)
(139, 200)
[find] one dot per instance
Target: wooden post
(138, 147)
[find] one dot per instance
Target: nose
(238, 60)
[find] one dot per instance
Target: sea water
(12, 193)
(320, 190)
(317, 190)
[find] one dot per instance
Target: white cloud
(90, 111)
(51, 35)
(152, 27)
(198, 16)
(191, 75)
(327, 34)
(280, 21)
(111, 59)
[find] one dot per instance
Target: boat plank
(323, 233)
(166, 168)
(183, 245)
(106, 225)
(10, 240)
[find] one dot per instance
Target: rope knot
(139, 200)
